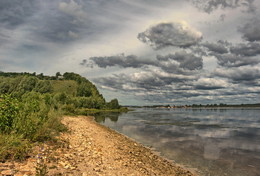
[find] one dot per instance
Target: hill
(68, 89)
(31, 107)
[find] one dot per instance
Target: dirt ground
(90, 149)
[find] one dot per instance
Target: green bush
(43, 86)
(69, 109)
(8, 112)
(84, 90)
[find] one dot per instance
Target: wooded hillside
(31, 107)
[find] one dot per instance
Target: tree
(58, 74)
(113, 104)
(27, 84)
(40, 76)
(84, 90)
(8, 112)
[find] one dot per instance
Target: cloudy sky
(140, 51)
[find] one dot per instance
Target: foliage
(67, 86)
(13, 147)
(43, 86)
(113, 104)
(8, 112)
(84, 90)
(31, 107)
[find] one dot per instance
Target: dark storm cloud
(224, 47)
(55, 21)
(219, 47)
(170, 34)
(64, 21)
(209, 6)
(251, 30)
(158, 82)
(232, 55)
(186, 60)
(16, 12)
(244, 75)
(121, 61)
(61, 21)
(115, 82)
(206, 87)
(151, 81)
(231, 60)
(246, 49)
(182, 63)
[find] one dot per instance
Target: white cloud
(74, 9)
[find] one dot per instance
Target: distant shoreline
(198, 106)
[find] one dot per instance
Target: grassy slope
(66, 86)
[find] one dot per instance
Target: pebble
(7, 173)
(82, 155)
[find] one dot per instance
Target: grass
(85, 111)
(66, 86)
(13, 147)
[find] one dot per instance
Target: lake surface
(217, 142)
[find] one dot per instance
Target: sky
(142, 52)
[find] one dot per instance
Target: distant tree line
(199, 106)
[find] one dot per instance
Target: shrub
(69, 109)
(13, 147)
(8, 112)
(43, 86)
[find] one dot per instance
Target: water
(217, 142)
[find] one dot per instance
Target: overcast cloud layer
(140, 51)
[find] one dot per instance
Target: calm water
(217, 142)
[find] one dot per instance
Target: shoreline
(116, 153)
(193, 171)
(91, 149)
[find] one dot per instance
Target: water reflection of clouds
(223, 133)
(211, 151)
(202, 138)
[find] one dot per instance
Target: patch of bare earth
(90, 149)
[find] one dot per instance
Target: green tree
(58, 74)
(113, 104)
(8, 112)
(84, 90)
(27, 84)
(61, 97)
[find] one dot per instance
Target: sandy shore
(90, 149)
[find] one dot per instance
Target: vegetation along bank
(31, 126)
